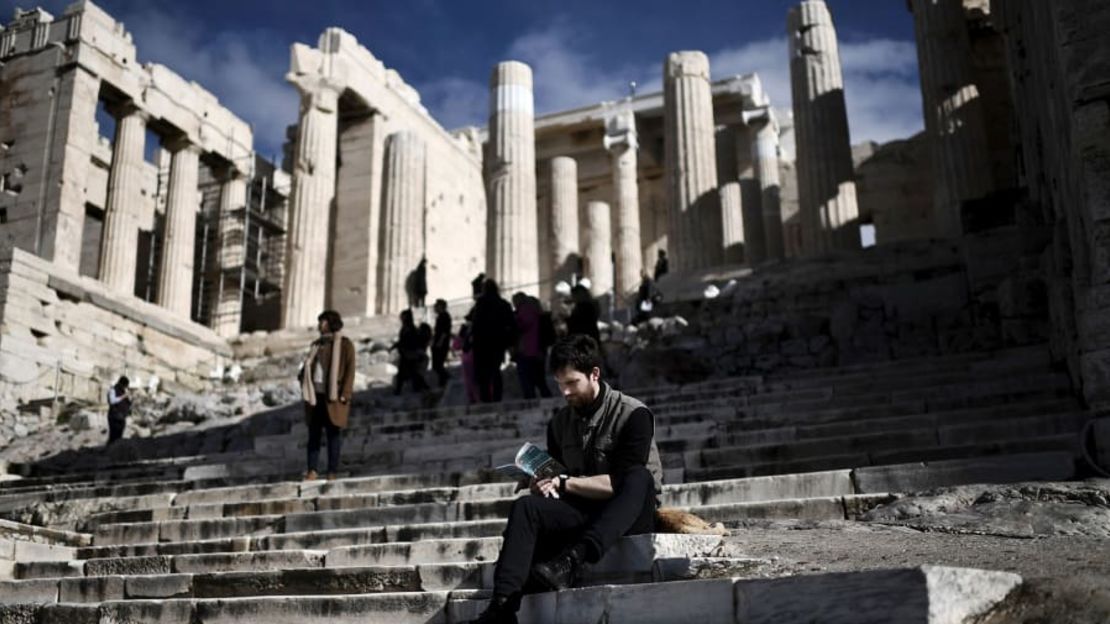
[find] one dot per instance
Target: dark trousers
(321, 422)
(439, 358)
(487, 373)
(115, 428)
(408, 369)
(530, 372)
(540, 528)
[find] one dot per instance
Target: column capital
(318, 90)
(687, 64)
(179, 143)
(760, 118)
(620, 132)
(129, 108)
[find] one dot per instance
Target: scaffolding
(239, 284)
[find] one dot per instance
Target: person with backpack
(530, 350)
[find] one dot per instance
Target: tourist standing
(119, 407)
(463, 345)
(529, 352)
(411, 346)
(661, 265)
(327, 382)
(492, 330)
(441, 341)
(585, 314)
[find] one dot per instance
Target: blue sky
(581, 51)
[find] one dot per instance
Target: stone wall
(1059, 63)
(895, 188)
(57, 327)
(897, 301)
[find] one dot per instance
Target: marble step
(881, 440)
(931, 594)
(1061, 445)
(633, 555)
(349, 495)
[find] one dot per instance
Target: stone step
(845, 421)
(292, 503)
(884, 438)
(432, 565)
(459, 504)
(922, 594)
(1063, 444)
(755, 489)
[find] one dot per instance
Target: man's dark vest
(586, 446)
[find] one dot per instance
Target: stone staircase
(411, 531)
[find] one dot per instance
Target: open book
(532, 461)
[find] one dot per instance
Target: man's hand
(548, 488)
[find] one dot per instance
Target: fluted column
(313, 193)
(402, 218)
(232, 253)
(597, 247)
(765, 158)
(690, 162)
(755, 246)
(513, 257)
(119, 241)
(175, 275)
(954, 118)
(732, 222)
(826, 189)
(563, 244)
(622, 143)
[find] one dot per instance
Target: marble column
(954, 118)
(755, 246)
(310, 206)
(119, 241)
(402, 230)
(353, 274)
(690, 162)
(826, 188)
(232, 253)
(597, 247)
(175, 274)
(765, 158)
(563, 221)
(513, 256)
(732, 222)
(621, 142)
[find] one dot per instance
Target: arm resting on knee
(597, 487)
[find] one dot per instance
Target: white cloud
(455, 102)
(881, 89)
(880, 83)
(244, 70)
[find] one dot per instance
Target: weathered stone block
(94, 589)
(159, 586)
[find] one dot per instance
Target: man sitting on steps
(606, 440)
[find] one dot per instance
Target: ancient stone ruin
(907, 431)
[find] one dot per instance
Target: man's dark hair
(578, 352)
(122, 383)
(335, 322)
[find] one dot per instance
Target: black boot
(501, 610)
(562, 571)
